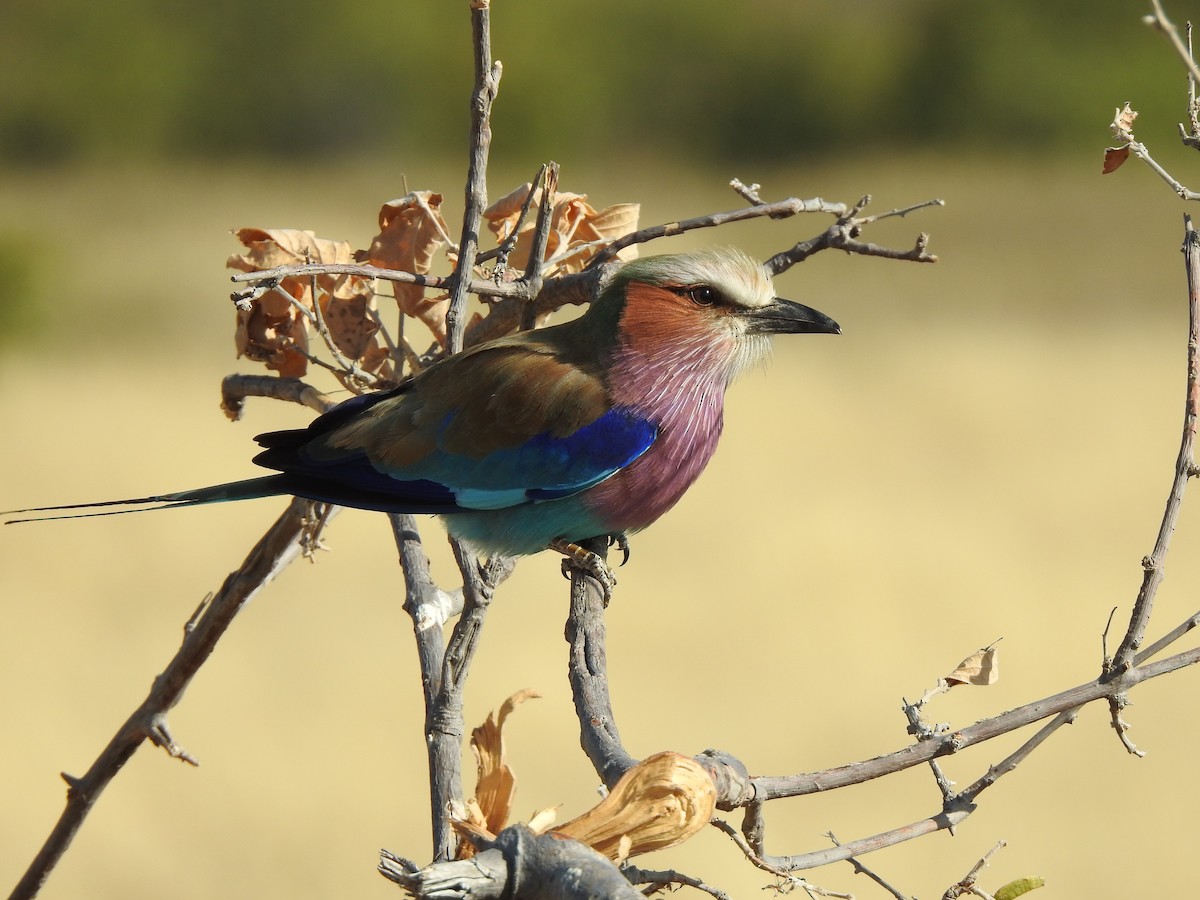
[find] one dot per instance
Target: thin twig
(351, 374)
(1159, 21)
(860, 869)
(537, 245)
(1138, 149)
(506, 247)
(660, 879)
(1185, 467)
(363, 270)
(487, 83)
(967, 884)
(780, 209)
(236, 388)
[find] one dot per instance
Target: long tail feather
(267, 486)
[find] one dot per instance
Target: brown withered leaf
(502, 215)
(660, 802)
(273, 330)
(271, 247)
(411, 231)
(350, 324)
(981, 667)
(496, 784)
(1122, 123)
(1114, 157)
(274, 333)
(574, 223)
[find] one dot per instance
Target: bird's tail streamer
(266, 486)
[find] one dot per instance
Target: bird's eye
(703, 295)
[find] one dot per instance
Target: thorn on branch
(1116, 703)
(190, 625)
(160, 735)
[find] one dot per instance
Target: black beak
(785, 317)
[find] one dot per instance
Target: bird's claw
(620, 540)
(576, 558)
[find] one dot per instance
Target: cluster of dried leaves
(342, 310)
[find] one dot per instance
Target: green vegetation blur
(705, 79)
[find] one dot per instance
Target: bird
(542, 439)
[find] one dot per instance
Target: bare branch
(1138, 149)
(1185, 467)
(780, 209)
(1158, 20)
(236, 388)
(768, 787)
(967, 884)
(661, 879)
(588, 674)
(487, 83)
(860, 869)
(537, 247)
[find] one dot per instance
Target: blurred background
(983, 453)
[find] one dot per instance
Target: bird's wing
(510, 424)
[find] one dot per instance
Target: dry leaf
(1122, 123)
(411, 231)
(574, 225)
(982, 667)
(660, 802)
(1113, 158)
(502, 215)
(496, 783)
(350, 324)
(274, 330)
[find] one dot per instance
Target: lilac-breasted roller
(544, 438)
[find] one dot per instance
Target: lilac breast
(684, 396)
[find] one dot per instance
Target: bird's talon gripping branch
(587, 561)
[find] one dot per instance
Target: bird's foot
(579, 558)
(620, 540)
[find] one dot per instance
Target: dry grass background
(985, 452)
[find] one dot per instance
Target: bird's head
(719, 301)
